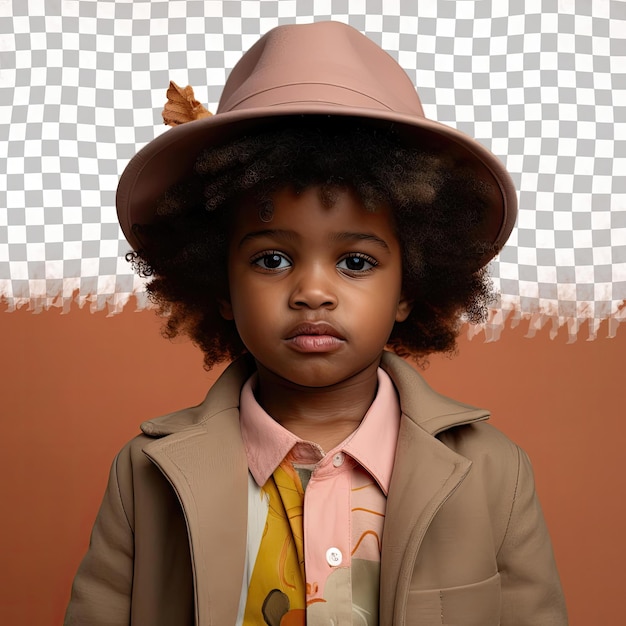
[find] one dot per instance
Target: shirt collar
(372, 444)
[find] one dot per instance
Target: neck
(323, 415)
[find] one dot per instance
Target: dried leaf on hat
(182, 106)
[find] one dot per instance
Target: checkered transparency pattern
(542, 83)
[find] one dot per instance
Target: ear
(226, 309)
(403, 309)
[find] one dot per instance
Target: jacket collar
(223, 396)
(200, 451)
(431, 411)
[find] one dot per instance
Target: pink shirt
(344, 503)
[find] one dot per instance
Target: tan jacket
(464, 540)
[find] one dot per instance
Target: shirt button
(338, 459)
(334, 557)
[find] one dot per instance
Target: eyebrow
(269, 232)
(348, 236)
(289, 235)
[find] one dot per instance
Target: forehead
(312, 211)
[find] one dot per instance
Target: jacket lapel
(206, 465)
(426, 473)
(207, 469)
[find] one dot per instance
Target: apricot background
(76, 386)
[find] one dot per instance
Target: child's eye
(271, 261)
(357, 262)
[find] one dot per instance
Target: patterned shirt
(315, 520)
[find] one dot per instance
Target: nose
(313, 289)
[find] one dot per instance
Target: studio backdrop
(542, 83)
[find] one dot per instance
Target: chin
(317, 375)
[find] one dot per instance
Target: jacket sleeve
(101, 592)
(531, 589)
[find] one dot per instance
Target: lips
(314, 328)
(315, 337)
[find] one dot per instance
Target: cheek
(380, 308)
(238, 287)
(253, 305)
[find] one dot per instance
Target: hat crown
(322, 62)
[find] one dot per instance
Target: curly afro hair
(437, 201)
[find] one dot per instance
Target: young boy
(315, 219)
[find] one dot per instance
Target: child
(315, 219)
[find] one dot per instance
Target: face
(315, 291)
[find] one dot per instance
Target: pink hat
(323, 68)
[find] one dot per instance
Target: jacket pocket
(477, 604)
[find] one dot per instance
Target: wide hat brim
(260, 93)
